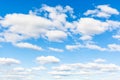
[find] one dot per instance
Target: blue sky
(59, 40)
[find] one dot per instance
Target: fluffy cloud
(91, 26)
(8, 61)
(104, 11)
(47, 59)
(56, 49)
(28, 45)
(23, 26)
(20, 27)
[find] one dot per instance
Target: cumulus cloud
(91, 26)
(25, 26)
(28, 45)
(47, 59)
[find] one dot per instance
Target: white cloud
(108, 9)
(87, 45)
(28, 45)
(114, 47)
(72, 47)
(113, 24)
(90, 68)
(116, 37)
(56, 49)
(110, 47)
(86, 37)
(95, 47)
(100, 60)
(91, 26)
(102, 11)
(88, 27)
(54, 26)
(8, 61)
(47, 59)
(25, 26)
(11, 37)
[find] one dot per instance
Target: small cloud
(102, 11)
(28, 45)
(116, 37)
(47, 59)
(72, 47)
(99, 60)
(8, 61)
(114, 47)
(56, 49)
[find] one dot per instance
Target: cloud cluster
(110, 47)
(57, 24)
(96, 67)
(25, 26)
(20, 73)
(61, 71)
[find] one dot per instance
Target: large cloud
(19, 27)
